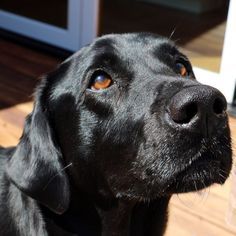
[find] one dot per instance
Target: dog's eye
(181, 69)
(100, 80)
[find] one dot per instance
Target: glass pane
(198, 29)
(51, 11)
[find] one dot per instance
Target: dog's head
(128, 118)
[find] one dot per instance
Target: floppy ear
(36, 165)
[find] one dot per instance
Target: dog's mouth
(209, 166)
(201, 173)
(204, 164)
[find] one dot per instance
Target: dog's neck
(131, 218)
(87, 216)
(121, 218)
(117, 220)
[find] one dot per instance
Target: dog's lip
(208, 151)
(194, 175)
(217, 169)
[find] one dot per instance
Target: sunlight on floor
(12, 121)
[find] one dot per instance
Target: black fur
(107, 162)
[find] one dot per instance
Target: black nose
(199, 109)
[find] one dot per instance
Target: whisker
(172, 33)
(224, 172)
(221, 175)
(182, 202)
(63, 169)
(195, 185)
(204, 193)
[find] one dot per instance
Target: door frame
(225, 80)
(82, 18)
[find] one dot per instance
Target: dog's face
(130, 119)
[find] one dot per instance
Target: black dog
(115, 131)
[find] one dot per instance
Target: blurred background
(37, 35)
(197, 25)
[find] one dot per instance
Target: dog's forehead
(133, 46)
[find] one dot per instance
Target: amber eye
(100, 80)
(181, 69)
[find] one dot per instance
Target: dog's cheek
(160, 156)
(116, 145)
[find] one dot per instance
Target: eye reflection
(100, 81)
(181, 69)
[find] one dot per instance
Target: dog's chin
(201, 174)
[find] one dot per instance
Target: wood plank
(212, 209)
(25, 65)
(11, 123)
(31, 55)
(182, 223)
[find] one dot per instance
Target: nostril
(219, 106)
(186, 113)
(191, 111)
